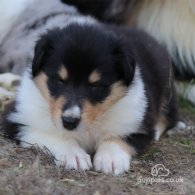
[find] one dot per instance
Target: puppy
(94, 89)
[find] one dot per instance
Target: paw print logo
(159, 170)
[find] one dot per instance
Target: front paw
(111, 159)
(73, 157)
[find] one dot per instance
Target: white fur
(173, 24)
(66, 151)
(7, 79)
(186, 90)
(159, 129)
(111, 158)
(181, 125)
(5, 94)
(181, 128)
(74, 112)
(122, 119)
(31, 107)
(157, 135)
(191, 94)
(9, 13)
(82, 20)
(18, 46)
(125, 116)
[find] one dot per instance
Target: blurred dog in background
(9, 14)
(32, 19)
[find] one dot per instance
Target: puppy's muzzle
(71, 117)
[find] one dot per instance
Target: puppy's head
(81, 71)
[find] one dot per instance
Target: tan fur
(160, 127)
(63, 73)
(94, 77)
(161, 121)
(90, 112)
(172, 23)
(55, 105)
(40, 82)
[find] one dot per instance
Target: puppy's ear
(42, 48)
(125, 62)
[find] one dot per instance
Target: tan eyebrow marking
(63, 73)
(41, 80)
(94, 77)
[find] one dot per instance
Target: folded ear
(42, 48)
(125, 62)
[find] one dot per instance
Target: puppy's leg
(113, 156)
(65, 149)
(140, 141)
(168, 117)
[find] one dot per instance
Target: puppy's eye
(58, 80)
(97, 86)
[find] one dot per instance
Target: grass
(150, 154)
(186, 105)
(187, 143)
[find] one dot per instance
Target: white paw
(7, 79)
(181, 125)
(111, 159)
(181, 129)
(73, 157)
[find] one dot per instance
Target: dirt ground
(31, 171)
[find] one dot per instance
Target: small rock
(97, 193)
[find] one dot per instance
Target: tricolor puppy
(94, 90)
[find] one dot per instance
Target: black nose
(70, 123)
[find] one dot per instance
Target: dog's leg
(168, 114)
(113, 156)
(65, 149)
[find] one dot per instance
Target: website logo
(159, 170)
(159, 175)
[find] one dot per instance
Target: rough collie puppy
(172, 23)
(94, 90)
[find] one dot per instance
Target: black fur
(121, 12)
(114, 52)
(96, 8)
(157, 73)
(80, 50)
(110, 11)
(10, 129)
